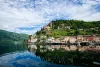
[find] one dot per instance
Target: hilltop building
(47, 28)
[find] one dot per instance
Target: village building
(97, 38)
(47, 28)
(68, 27)
(80, 38)
(71, 39)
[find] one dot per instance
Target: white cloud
(24, 13)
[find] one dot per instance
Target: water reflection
(12, 47)
(75, 58)
(25, 59)
(15, 55)
(43, 57)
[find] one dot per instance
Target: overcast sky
(28, 16)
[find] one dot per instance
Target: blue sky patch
(28, 28)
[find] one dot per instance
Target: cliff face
(60, 28)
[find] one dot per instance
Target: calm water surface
(25, 59)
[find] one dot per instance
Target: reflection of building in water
(30, 42)
(32, 48)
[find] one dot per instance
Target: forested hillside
(60, 28)
(11, 37)
(5, 35)
(76, 24)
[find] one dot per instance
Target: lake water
(25, 59)
(18, 55)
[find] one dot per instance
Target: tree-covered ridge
(76, 24)
(60, 28)
(5, 35)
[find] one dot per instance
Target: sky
(29, 16)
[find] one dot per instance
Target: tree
(76, 32)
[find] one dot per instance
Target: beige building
(47, 28)
(71, 39)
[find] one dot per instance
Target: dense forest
(5, 35)
(10, 41)
(10, 37)
(70, 28)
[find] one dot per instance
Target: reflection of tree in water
(69, 57)
(57, 57)
(8, 46)
(68, 44)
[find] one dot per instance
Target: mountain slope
(60, 28)
(5, 35)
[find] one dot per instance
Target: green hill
(5, 35)
(60, 28)
(11, 37)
